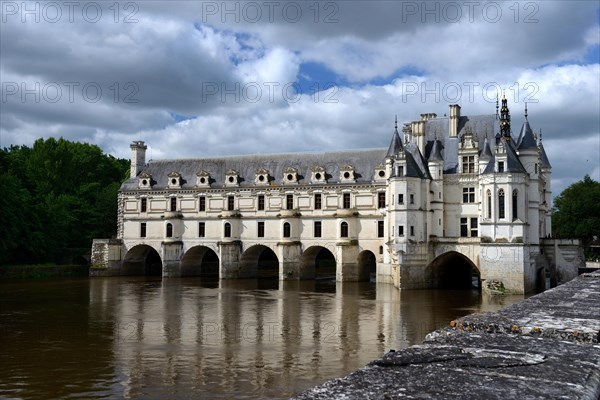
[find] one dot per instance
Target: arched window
(287, 230)
(227, 229)
(344, 229)
(489, 203)
(169, 230)
(515, 204)
(501, 203)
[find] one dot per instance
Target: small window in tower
(401, 230)
(143, 229)
(501, 213)
(515, 204)
(464, 228)
(401, 171)
(400, 199)
(412, 230)
(381, 199)
(143, 204)
(201, 229)
(380, 229)
(227, 230)
(474, 227)
(289, 202)
(380, 249)
(169, 230)
(287, 230)
(412, 199)
(318, 204)
(346, 199)
(261, 201)
(201, 203)
(173, 204)
(317, 229)
(260, 229)
(230, 203)
(344, 229)
(500, 166)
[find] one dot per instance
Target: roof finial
(540, 135)
(525, 111)
(503, 94)
(396, 122)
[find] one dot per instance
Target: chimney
(453, 120)
(138, 157)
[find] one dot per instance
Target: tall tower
(138, 157)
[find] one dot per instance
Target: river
(152, 338)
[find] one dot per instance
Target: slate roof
(395, 144)
(364, 162)
(486, 152)
(513, 164)
(526, 139)
(435, 154)
(416, 165)
(438, 129)
(545, 161)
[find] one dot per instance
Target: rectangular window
(401, 230)
(346, 200)
(500, 166)
(260, 232)
(230, 203)
(474, 227)
(501, 204)
(143, 204)
(401, 171)
(469, 195)
(289, 202)
(412, 199)
(261, 202)
(464, 227)
(201, 203)
(515, 205)
(381, 199)
(468, 164)
(173, 204)
(317, 229)
(143, 229)
(412, 230)
(380, 230)
(318, 201)
(201, 229)
(400, 199)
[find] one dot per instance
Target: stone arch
(453, 270)
(317, 262)
(200, 261)
(259, 261)
(142, 260)
(367, 266)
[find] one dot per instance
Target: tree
(576, 211)
(56, 197)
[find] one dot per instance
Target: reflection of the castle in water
(248, 334)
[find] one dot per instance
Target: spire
(497, 107)
(505, 119)
(396, 143)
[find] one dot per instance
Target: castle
(451, 201)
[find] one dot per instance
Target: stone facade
(455, 198)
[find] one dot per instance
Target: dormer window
(380, 173)
(202, 179)
(290, 176)
(347, 174)
(144, 180)
(261, 177)
(318, 174)
(500, 166)
(174, 181)
(232, 178)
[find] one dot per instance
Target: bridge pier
(229, 259)
(172, 252)
(289, 255)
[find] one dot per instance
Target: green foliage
(576, 211)
(57, 195)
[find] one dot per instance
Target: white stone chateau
(450, 200)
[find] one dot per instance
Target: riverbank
(42, 271)
(546, 346)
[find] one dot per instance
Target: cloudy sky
(197, 78)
